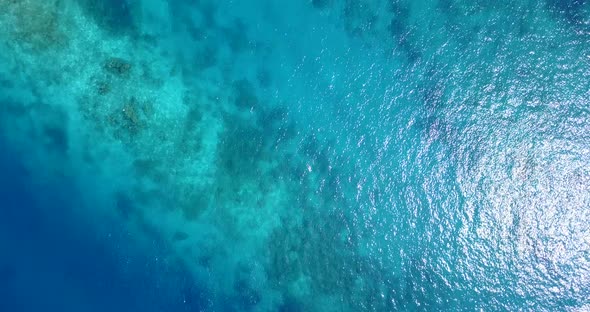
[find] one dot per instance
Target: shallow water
(325, 155)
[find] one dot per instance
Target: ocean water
(314, 155)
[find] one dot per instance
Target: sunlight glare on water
(321, 155)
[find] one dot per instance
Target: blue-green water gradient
(317, 155)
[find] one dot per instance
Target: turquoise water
(318, 155)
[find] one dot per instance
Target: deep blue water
(325, 155)
(50, 263)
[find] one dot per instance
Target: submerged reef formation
(32, 24)
(115, 16)
(232, 137)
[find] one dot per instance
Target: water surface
(325, 155)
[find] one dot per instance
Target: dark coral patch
(180, 236)
(575, 12)
(321, 4)
(124, 205)
(117, 66)
(112, 15)
(57, 138)
(245, 94)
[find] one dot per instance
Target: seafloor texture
(313, 155)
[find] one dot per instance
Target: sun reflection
(533, 194)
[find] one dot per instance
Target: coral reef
(252, 161)
(33, 24)
(114, 16)
(245, 94)
(117, 66)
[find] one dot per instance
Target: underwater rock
(124, 205)
(245, 94)
(57, 138)
(574, 12)
(235, 35)
(130, 114)
(264, 78)
(127, 121)
(247, 296)
(34, 23)
(180, 236)
(291, 304)
(192, 202)
(207, 56)
(103, 87)
(360, 18)
(113, 16)
(321, 4)
(402, 35)
(118, 66)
